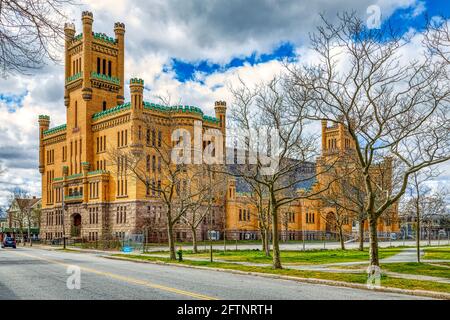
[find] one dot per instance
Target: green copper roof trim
(78, 175)
(74, 77)
(105, 77)
(111, 111)
(211, 119)
(156, 107)
(56, 129)
(44, 117)
(103, 37)
(58, 179)
(93, 173)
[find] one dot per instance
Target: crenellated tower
(94, 69)
(220, 108)
(44, 124)
(336, 139)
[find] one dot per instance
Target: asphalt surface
(27, 273)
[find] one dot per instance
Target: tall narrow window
(104, 105)
(109, 68)
(98, 65)
(104, 66)
(76, 114)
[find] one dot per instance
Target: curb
(420, 293)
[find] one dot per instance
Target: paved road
(28, 273)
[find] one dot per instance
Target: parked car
(9, 242)
(394, 236)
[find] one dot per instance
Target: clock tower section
(94, 82)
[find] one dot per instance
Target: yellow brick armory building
(101, 203)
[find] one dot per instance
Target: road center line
(123, 278)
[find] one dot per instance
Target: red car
(9, 242)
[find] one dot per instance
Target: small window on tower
(98, 65)
(109, 68)
(104, 105)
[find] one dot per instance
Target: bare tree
(179, 187)
(205, 189)
(437, 38)
(267, 110)
(346, 195)
(395, 110)
(417, 197)
(19, 215)
(31, 31)
(257, 197)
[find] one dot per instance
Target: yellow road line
(126, 279)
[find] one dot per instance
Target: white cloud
(157, 31)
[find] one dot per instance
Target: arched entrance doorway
(76, 225)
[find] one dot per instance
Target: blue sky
(403, 19)
(186, 71)
(189, 49)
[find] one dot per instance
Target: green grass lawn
(442, 253)
(424, 269)
(360, 278)
(293, 257)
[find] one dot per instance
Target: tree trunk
(275, 240)
(361, 235)
(29, 231)
(263, 240)
(429, 233)
(23, 238)
(341, 238)
(194, 240)
(373, 249)
(418, 236)
(171, 241)
(267, 244)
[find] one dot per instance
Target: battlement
(220, 104)
(119, 28)
(58, 129)
(69, 26)
(103, 38)
(136, 81)
(111, 111)
(158, 108)
(87, 14)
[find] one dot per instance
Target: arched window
(104, 66)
